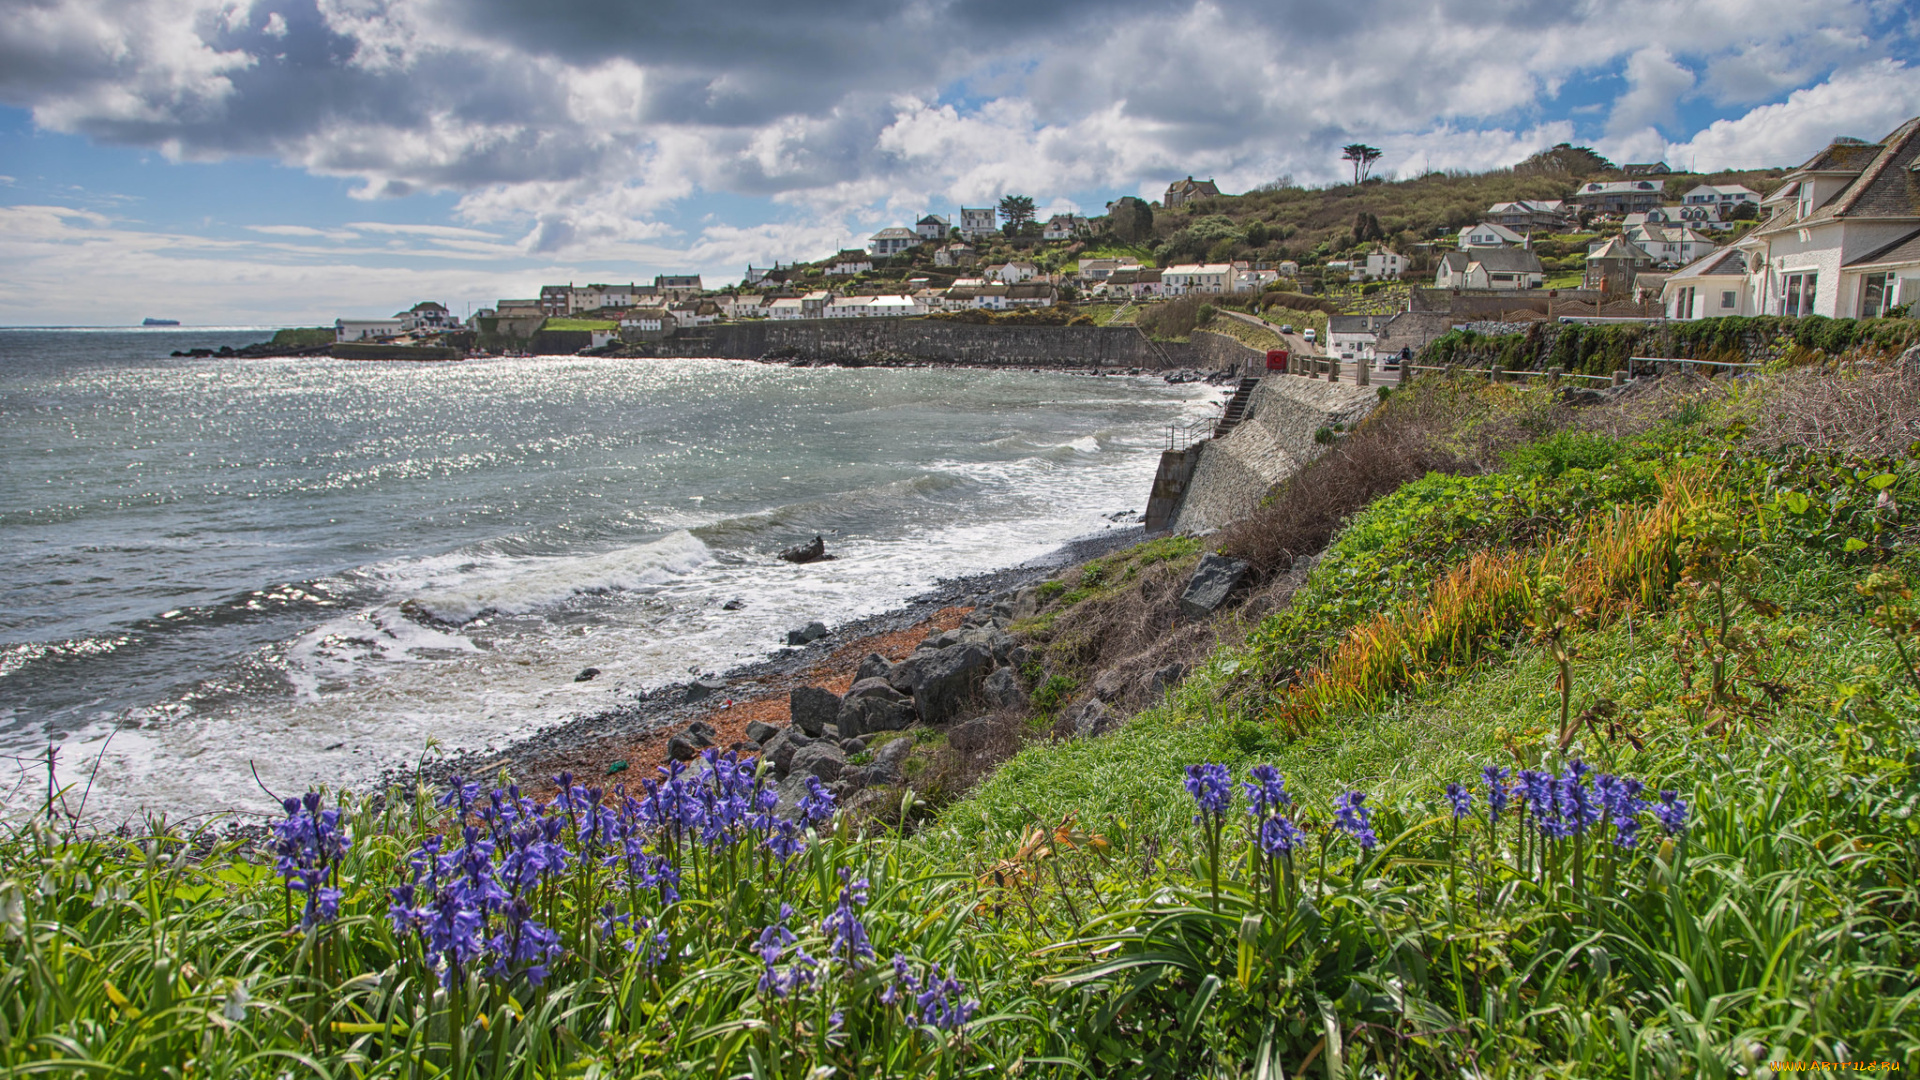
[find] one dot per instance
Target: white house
(1619, 196)
(677, 286)
(647, 319)
(1032, 294)
(1065, 227)
(743, 306)
(1134, 282)
(367, 329)
(1098, 269)
(1697, 215)
(1489, 235)
(1383, 265)
(893, 241)
(1709, 287)
(953, 255)
(1721, 195)
(429, 315)
(1530, 214)
(1669, 245)
(976, 222)
(1250, 280)
(848, 263)
(1490, 268)
(1353, 337)
(1185, 278)
(1841, 238)
(931, 227)
(786, 307)
(1014, 273)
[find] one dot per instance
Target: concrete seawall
(879, 341)
(1274, 441)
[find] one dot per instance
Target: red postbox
(1277, 359)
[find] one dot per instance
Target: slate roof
(1887, 185)
(1506, 260)
(1728, 262)
(1904, 250)
(1356, 324)
(1617, 248)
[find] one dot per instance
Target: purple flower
(1460, 799)
(786, 839)
(1626, 832)
(1355, 819)
(846, 935)
(1278, 836)
(1212, 789)
(1573, 801)
(1672, 812)
(816, 807)
(310, 845)
(1266, 792)
(937, 1000)
(1496, 778)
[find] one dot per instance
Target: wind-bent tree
(1363, 157)
(1015, 211)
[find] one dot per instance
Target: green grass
(1572, 279)
(580, 324)
(1103, 931)
(1142, 252)
(1246, 333)
(305, 337)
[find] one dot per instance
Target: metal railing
(1506, 372)
(1633, 363)
(1182, 434)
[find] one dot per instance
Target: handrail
(1182, 435)
(1632, 360)
(1506, 371)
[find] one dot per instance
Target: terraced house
(1843, 238)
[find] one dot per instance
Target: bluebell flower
(1355, 819)
(310, 845)
(1574, 802)
(1266, 791)
(786, 839)
(1212, 789)
(1278, 836)
(1460, 799)
(1497, 792)
(1672, 812)
(1626, 832)
(942, 1003)
(846, 934)
(816, 807)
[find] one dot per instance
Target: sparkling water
(313, 568)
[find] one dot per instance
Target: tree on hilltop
(1130, 220)
(1564, 159)
(1015, 211)
(1363, 157)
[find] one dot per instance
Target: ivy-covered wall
(1600, 349)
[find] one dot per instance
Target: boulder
(972, 736)
(813, 708)
(780, 750)
(889, 762)
(853, 745)
(586, 674)
(1090, 718)
(942, 680)
(702, 689)
(822, 759)
(1166, 678)
(1002, 688)
(806, 635)
(806, 553)
(873, 705)
(733, 605)
(1026, 603)
(760, 732)
(1212, 580)
(699, 737)
(680, 749)
(874, 666)
(1109, 684)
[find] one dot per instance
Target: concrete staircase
(1236, 408)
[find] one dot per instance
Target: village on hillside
(1838, 236)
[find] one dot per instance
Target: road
(1297, 344)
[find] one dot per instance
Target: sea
(223, 576)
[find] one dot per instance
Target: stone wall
(881, 341)
(1219, 352)
(1275, 441)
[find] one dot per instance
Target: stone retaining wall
(881, 341)
(1275, 441)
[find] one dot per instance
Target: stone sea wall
(1275, 441)
(881, 341)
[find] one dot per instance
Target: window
(1876, 294)
(1800, 292)
(1683, 303)
(1728, 300)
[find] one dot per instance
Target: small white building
(1353, 337)
(1065, 227)
(1383, 266)
(1489, 235)
(893, 241)
(1669, 245)
(1014, 273)
(1725, 196)
(953, 255)
(1490, 268)
(1708, 288)
(367, 329)
(849, 263)
(976, 222)
(786, 307)
(1185, 278)
(650, 320)
(743, 306)
(932, 227)
(1099, 269)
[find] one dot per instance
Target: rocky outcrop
(1212, 581)
(812, 551)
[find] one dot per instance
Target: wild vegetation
(1603, 349)
(1549, 741)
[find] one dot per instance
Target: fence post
(1619, 377)
(1333, 368)
(1362, 371)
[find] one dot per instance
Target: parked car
(1309, 336)
(1286, 328)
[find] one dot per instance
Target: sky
(288, 162)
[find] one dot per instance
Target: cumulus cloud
(576, 128)
(1866, 103)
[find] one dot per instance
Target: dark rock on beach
(812, 708)
(808, 634)
(701, 689)
(806, 553)
(586, 674)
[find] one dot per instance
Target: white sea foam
(514, 586)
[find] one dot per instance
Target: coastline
(635, 735)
